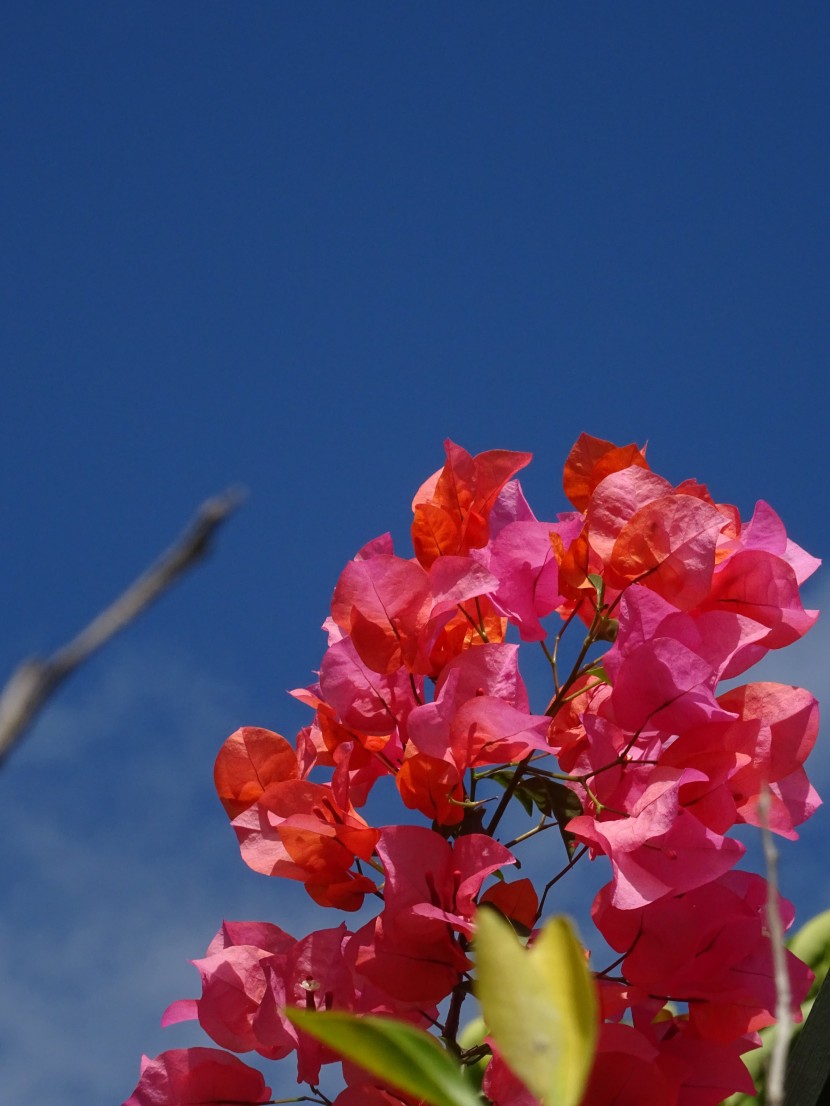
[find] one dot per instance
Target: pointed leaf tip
(540, 1006)
(405, 1057)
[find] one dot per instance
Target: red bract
(568, 736)
(480, 714)
(718, 958)
(488, 670)
(711, 1070)
(197, 1077)
(411, 950)
(719, 637)
(659, 1062)
(252, 971)
(487, 730)
(427, 877)
(640, 529)
(629, 1071)
(664, 685)
(503, 1088)
(359, 759)
(765, 530)
(394, 611)
(477, 623)
(315, 976)
(518, 901)
(369, 1093)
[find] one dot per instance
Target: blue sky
(295, 246)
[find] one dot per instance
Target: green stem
(556, 641)
(581, 691)
(551, 660)
(543, 825)
(482, 633)
(480, 626)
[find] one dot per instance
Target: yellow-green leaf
(472, 1036)
(400, 1055)
(540, 1006)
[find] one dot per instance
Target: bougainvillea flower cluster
(637, 753)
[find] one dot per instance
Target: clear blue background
(295, 245)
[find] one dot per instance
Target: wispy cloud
(118, 868)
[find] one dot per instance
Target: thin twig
(577, 856)
(35, 680)
(507, 795)
(783, 998)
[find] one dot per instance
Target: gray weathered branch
(35, 680)
(783, 995)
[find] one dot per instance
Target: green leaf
(398, 1054)
(550, 797)
(607, 629)
(473, 1033)
(504, 778)
(739, 1099)
(599, 584)
(812, 945)
(540, 1006)
(472, 1036)
(555, 800)
(598, 673)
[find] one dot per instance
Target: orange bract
(427, 784)
(591, 460)
(334, 733)
(452, 511)
(462, 632)
(669, 545)
(250, 760)
(574, 564)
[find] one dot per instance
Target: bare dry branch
(783, 997)
(35, 680)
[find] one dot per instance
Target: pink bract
(197, 1077)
